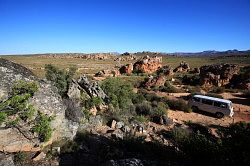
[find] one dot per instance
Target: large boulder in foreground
(46, 100)
(218, 74)
(148, 65)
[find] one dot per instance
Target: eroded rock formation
(217, 75)
(148, 64)
(183, 67)
(152, 81)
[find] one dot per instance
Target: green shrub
(144, 108)
(169, 88)
(3, 117)
(160, 109)
(23, 87)
(178, 104)
(60, 78)
(218, 90)
(28, 113)
(138, 98)
(19, 157)
(95, 101)
(141, 118)
(120, 93)
(42, 127)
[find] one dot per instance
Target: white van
(217, 106)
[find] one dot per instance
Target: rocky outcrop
(154, 81)
(126, 69)
(108, 73)
(165, 70)
(217, 75)
(46, 101)
(148, 65)
(92, 88)
(93, 56)
(182, 68)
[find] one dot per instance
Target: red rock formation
(217, 75)
(154, 81)
(126, 69)
(147, 65)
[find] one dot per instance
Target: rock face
(183, 67)
(217, 75)
(126, 69)
(92, 88)
(6, 160)
(154, 81)
(148, 65)
(46, 100)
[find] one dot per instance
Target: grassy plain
(36, 63)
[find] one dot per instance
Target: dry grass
(36, 63)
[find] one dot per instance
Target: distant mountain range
(214, 53)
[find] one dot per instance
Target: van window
(196, 99)
(209, 102)
(220, 104)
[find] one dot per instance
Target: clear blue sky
(42, 26)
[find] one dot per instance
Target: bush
(95, 101)
(138, 98)
(160, 109)
(141, 118)
(218, 90)
(144, 108)
(28, 113)
(22, 87)
(178, 104)
(246, 94)
(169, 88)
(3, 117)
(19, 157)
(42, 127)
(120, 93)
(60, 78)
(193, 80)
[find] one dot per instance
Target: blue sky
(42, 26)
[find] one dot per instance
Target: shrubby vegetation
(18, 105)
(169, 88)
(3, 117)
(60, 78)
(232, 147)
(42, 127)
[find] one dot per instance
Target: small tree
(61, 78)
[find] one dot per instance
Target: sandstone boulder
(126, 69)
(154, 81)
(217, 75)
(165, 70)
(147, 65)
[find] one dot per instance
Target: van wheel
(194, 108)
(219, 115)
